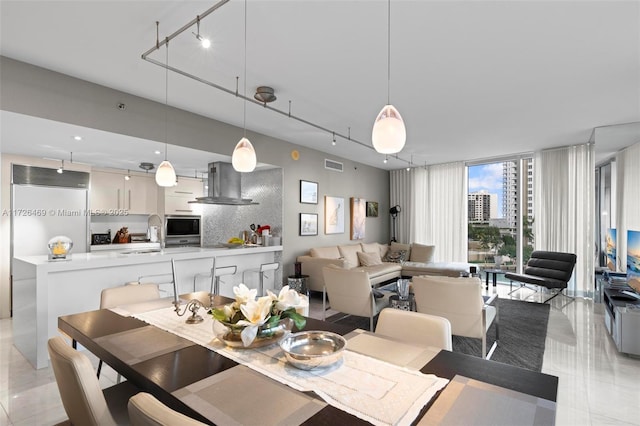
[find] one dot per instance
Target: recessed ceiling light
(78, 138)
(157, 152)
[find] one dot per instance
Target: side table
(406, 305)
(494, 273)
(298, 283)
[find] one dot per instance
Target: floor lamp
(393, 211)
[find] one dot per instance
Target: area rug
(523, 330)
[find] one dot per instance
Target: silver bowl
(307, 350)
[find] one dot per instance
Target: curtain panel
(434, 203)
(565, 197)
(627, 198)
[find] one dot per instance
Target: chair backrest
(457, 299)
(80, 391)
(349, 291)
(269, 266)
(225, 270)
(128, 294)
(551, 264)
(146, 410)
(415, 327)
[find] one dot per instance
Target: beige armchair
(460, 301)
(350, 292)
(146, 410)
(415, 327)
(83, 400)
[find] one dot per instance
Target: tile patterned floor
(598, 386)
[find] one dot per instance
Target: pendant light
(244, 156)
(389, 134)
(166, 175)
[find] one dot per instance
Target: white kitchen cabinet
(111, 191)
(176, 198)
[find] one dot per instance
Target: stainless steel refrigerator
(44, 204)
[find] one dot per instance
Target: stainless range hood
(224, 187)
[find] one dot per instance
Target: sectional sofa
(382, 262)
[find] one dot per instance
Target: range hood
(224, 187)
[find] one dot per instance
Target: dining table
(181, 373)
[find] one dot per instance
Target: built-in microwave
(182, 231)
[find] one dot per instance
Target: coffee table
(494, 273)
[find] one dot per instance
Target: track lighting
(386, 159)
(128, 175)
(334, 139)
(204, 42)
(61, 168)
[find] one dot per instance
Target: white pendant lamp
(389, 133)
(165, 174)
(244, 156)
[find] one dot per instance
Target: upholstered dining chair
(415, 327)
(127, 295)
(350, 292)
(83, 400)
(460, 301)
(146, 410)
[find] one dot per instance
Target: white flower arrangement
(249, 313)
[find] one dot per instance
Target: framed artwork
(358, 215)
(333, 215)
(308, 192)
(308, 224)
(372, 209)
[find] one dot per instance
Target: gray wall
(35, 91)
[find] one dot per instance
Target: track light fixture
(334, 139)
(386, 159)
(204, 42)
(61, 168)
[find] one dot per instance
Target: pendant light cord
(244, 89)
(388, 51)
(166, 101)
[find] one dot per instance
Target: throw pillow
(394, 246)
(369, 259)
(394, 256)
(422, 253)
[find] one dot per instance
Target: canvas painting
(333, 215)
(358, 216)
(372, 209)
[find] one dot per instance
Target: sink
(141, 251)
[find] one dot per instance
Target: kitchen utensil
(307, 350)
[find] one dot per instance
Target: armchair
(350, 292)
(460, 301)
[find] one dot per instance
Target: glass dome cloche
(59, 247)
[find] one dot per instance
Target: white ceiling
(472, 79)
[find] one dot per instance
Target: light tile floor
(597, 386)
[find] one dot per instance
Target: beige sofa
(410, 259)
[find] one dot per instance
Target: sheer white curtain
(627, 198)
(436, 208)
(565, 197)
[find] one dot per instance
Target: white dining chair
(146, 410)
(460, 301)
(83, 400)
(415, 327)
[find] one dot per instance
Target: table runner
(373, 390)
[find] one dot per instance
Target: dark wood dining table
(166, 373)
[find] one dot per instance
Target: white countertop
(77, 261)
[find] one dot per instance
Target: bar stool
(262, 272)
(220, 272)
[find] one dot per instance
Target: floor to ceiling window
(500, 214)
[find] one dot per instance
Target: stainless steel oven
(181, 231)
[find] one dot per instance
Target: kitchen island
(43, 290)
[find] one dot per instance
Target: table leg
(486, 281)
(495, 278)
